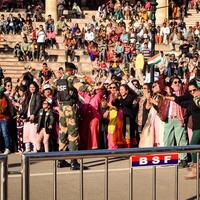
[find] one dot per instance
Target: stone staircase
(192, 18)
(14, 68)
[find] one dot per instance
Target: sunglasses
(191, 91)
(177, 82)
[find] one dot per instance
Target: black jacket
(128, 106)
(35, 106)
(48, 122)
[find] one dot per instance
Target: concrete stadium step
(17, 38)
(61, 52)
(34, 64)
(81, 23)
(162, 47)
(16, 72)
(55, 51)
(192, 18)
(10, 59)
(6, 55)
(13, 69)
(87, 13)
(13, 39)
(192, 11)
(15, 14)
(15, 75)
(53, 54)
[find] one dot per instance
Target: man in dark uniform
(68, 123)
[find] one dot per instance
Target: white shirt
(165, 31)
(89, 36)
(41, 36)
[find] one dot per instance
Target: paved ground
(41, 186)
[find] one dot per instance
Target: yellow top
(139, 61)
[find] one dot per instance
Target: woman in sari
(115, 118)
(128, 104)
(152, 133)
(19, 119)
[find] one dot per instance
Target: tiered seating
(192, 18)
(15, 14)
(15, 68)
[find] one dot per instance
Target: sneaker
(75, 166)
(63, 163)
(7, 151)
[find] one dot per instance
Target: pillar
(51, 8)
(162, 11)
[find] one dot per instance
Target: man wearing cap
(68, 123)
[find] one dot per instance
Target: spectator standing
(5, 114)
(30, 111)
(51, 38)
(69, 48)
(45, 125)
(41, 37)
(89, 36)
(68, 121)
(19, 23)
(3, 24)
(173, 116)
(187, 102)
(139, 66)
(92, 101)
(172, 67)
(127, 104)
(26, 49)
(20, 121)
(60, 7)
(11, 27)
(49, 24)
(165, 31)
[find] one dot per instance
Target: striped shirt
(146, 52)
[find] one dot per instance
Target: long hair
(35, 85)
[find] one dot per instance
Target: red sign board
(154, 160)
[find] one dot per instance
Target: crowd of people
(123, 103)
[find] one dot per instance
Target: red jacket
(163, 107)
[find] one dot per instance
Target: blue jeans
(5, 133)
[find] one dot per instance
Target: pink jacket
(92, 102)
(51, 35)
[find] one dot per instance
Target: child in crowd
(45, 126)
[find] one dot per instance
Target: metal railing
(4, 177)
(54, 156)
